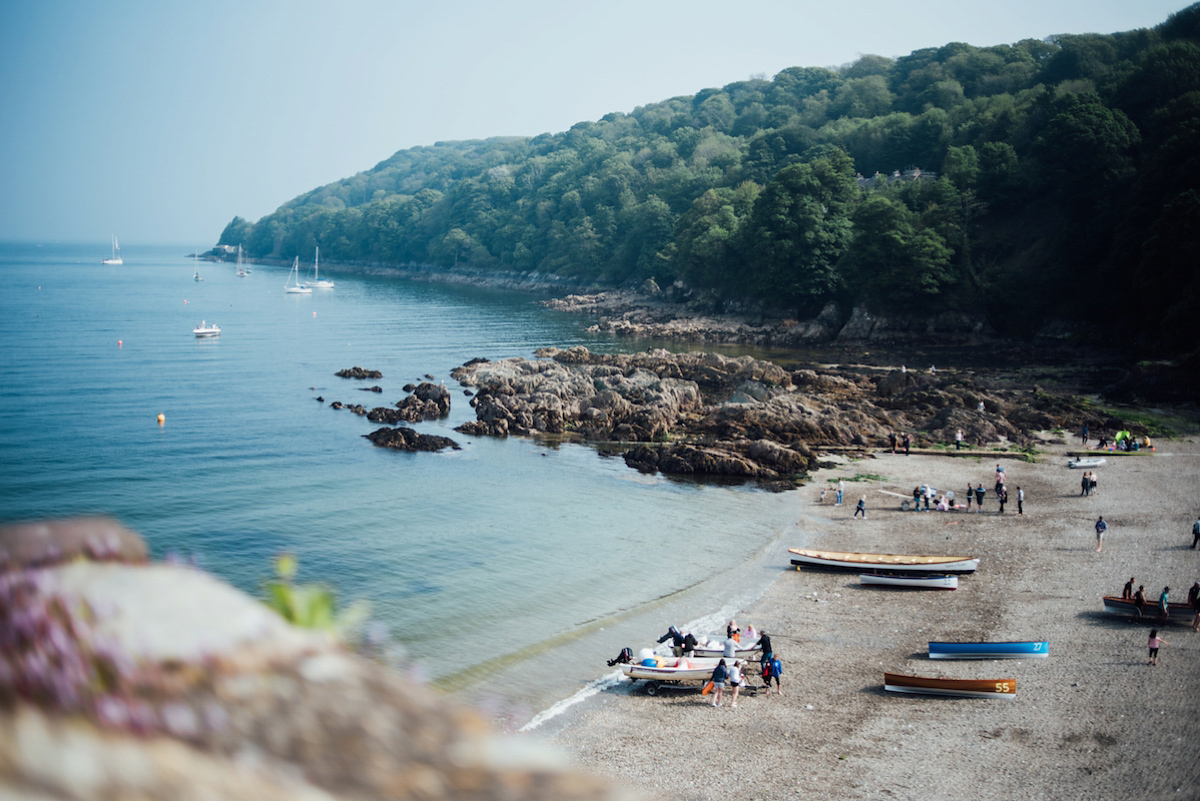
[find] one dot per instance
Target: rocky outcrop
(708, 414)
(427, 402)
(358, 372)
(647, 314)
(406, 439)
(126, 679)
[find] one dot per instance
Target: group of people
(906, 441)
(1087, 483)
(1163, 607)
(729, 671)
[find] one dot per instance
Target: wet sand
(1093, 721)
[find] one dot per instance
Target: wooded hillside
(1055, 179)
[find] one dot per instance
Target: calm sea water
(509, 565)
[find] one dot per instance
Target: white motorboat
(668, 668)
(116, 253)
(296, 288)
(716, 649)
(317, 282)
(206, 330)
(1086, 463)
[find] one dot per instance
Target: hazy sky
(159, 120)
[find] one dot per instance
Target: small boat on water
(206, 330)
(883, 562)
(197, 276)
(1148, 611)
(989, 650)
(962, 688)
(318, 282)
(242, 271)
(916, 581)
(1086, 463)
(296, 288)
(116, 253)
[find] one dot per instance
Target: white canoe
(934, 582)
(1086, 464)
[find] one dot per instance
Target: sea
(506, 573)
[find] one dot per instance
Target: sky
(158, 121)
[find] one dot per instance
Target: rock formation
(406, 439)
(358, 372)
(126, 679)
(708, 414)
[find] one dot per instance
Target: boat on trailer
(915, 581)
(1148, 611)
(961, 688)
(717, 650)
(883, 562)
(989, 650)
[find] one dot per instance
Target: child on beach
(1154, 643)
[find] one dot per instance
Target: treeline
(1041, 180)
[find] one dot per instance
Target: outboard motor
(623, 658)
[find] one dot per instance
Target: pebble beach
(1092, 721)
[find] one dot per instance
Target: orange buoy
(162, 418)
(120, 344)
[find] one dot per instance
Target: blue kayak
(989, 650)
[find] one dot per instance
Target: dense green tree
(798, 230)
(893, 262)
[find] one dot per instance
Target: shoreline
(1091, 721)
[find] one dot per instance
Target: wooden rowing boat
(934, 581)
(989, 650)
(963, 688)
(883, 562)
(1149, 611)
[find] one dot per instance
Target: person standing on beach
(764, 642)
(841, 488)
(970, 495)
(1101, 527)
(1085, 484)
(1091, 483)
(892, 440)
(1127, 593)
(1139, 596)
(1020, 501)
(1154, 643)
(735, 681)
(958, 440)
(979, 493)
(862, 507)
(719, 675)
(1164, 608)
(1195, 532)
(1083, 434)
(772, 669)
(907, 442)
(1002, 496)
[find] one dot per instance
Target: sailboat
(116, 253)
(317, 283)
(242, 271)
(296, 288)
